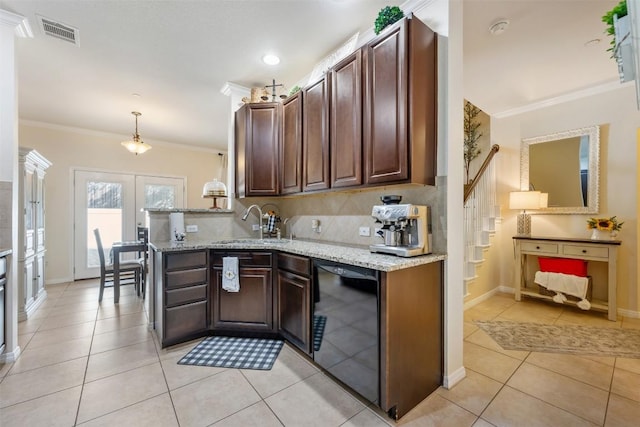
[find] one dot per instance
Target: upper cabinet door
(315, 136)
(257, 140)
(346, 122)
(291, 148)
(386, 144)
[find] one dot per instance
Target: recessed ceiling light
(271, 59)
(499, 27)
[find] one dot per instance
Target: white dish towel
(230, 278)
(565, 284)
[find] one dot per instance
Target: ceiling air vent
(59, 31)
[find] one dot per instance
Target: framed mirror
(567, 166)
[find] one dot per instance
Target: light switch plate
(364, 231)
(192, 228)
(255, 227)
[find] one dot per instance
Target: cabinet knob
(537, 247)
(584, 251)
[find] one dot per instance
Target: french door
(114, 203)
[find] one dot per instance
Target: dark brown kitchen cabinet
(315, 136)
(294, 300)
(257, 132)
(400, 105)
(250, 309)
(185, 291)
(291, 147)
(346, 122)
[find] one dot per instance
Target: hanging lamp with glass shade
(136, 145)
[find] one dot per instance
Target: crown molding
(18, 22)
(561, 99)
(234, 89)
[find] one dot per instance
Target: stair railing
(480, 213)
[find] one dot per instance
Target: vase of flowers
(604, 228)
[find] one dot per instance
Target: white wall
(615, 111)
(68, 149)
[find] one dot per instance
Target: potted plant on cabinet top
(619, 27)
(387, 16)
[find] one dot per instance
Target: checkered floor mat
(319, 323)
(234, 352)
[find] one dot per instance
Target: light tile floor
(91, 364)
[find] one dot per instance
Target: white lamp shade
(524, 200)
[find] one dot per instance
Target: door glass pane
(159, 196)
(104, 212)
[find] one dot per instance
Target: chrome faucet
(245, 215)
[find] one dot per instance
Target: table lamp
(523, 200)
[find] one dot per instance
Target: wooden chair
(130, 271)
(143, 257)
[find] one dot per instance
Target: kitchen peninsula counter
(344, 253)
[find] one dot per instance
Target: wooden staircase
(481, 213)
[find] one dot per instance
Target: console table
(585, 249)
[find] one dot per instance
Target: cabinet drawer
(178, 279)
(539, 247)
(294, 264)
(186, 260)
(185, 320)
(185, 295)
(245, 259)
(590, 251)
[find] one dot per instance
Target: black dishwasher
(346, 325)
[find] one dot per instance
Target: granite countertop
(5, 252)
(347, 254)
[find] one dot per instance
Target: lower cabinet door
(185, 321)
(250, 309)
(294, 304)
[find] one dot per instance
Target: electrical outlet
(192, 228)
(364, 231)
(255, 227)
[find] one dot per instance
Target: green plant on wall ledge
(471, 136)
(387, 16)
(620, 10)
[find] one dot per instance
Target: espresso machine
(405, 229)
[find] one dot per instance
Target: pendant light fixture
(136, 146)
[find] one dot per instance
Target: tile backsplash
(340, 214)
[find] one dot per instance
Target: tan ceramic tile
(481, 338)
(630, 323)
(121, 359)
(119, 391)
(23, 340)
(250, 416)
(367, 418)
(473, 314)
(626, 384)
(532, 312)
(315, 401)
(473, 393)
(482, 423)
(576, 367)
(489, 363)
(39, 382)
(72, 318)
(176, 350)
(124, 307)
(573, 396)
(59, 335)
(51, 354)
(622, 412)
(56, 409)
(120, 322)
(468, 328)
(156, 412)
(631, 365)
(4, 369)
(29, 326)
(121, 338)
(514, 408)
(288, 369)
(437, 411)
(59, 310)
(213, 398)
(181, 375)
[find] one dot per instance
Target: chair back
(143, 234)
(103, 263)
